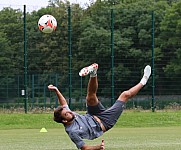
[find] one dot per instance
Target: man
(97, 120)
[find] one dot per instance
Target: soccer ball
(47, 24)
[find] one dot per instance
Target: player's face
(67, 115)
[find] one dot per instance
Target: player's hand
(52, 87)
(102, 145)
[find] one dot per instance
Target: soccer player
(97, 120)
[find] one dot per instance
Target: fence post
(44, 95)
(70, 55)
(153, 65)
(112, 56)
(25, 64)
(56, 83)
(33, 90)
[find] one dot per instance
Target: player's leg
(126, 95)
(110, 116)
(91, 98)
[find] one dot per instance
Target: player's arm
(61, 99)
(97, 147)
(81, 144)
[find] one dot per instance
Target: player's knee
(125, 96)
(92, 99)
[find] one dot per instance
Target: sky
(32, 4)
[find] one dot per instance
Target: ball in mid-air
(47, 24)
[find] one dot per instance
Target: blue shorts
(108, 116)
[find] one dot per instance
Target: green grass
(165, 138)
(127, 119)
(133, 131)
(149, 119)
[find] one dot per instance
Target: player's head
(62, 115)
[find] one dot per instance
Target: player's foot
(147, 73)
(92, 70)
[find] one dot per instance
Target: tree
(170, 37)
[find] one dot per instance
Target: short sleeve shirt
(83, 127)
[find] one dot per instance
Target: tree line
(91, 40)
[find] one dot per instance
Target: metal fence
(28, 91)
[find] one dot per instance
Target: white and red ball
(47, 24)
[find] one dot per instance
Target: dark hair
(57, 115)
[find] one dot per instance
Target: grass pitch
(166, 138)
(133, 131)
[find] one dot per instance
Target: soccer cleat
(92, 70)
(147, 73)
